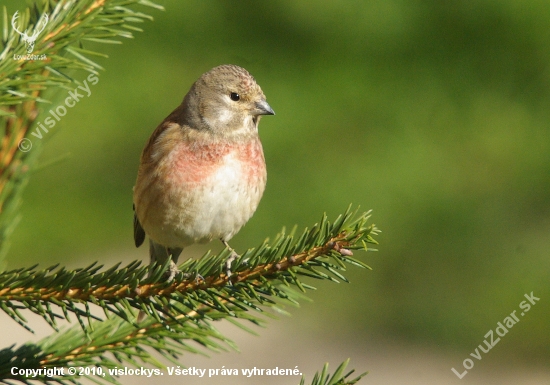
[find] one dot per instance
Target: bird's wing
(139, 233)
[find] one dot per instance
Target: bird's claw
(172, 271)
(227, 265)
(198, 277)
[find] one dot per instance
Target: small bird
(202, 172)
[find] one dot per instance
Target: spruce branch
(263, 277)
(58, 53)
(113, 344)
(338, 378)
(111, 349)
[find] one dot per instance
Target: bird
(202, 172)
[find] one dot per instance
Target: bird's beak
(262, 108)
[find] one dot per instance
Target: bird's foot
(198, 277)
(228, 263)
(172, 271)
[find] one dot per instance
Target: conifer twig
(260, 275)
(267, 280)
(58, 54)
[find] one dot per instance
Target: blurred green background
(434, 114)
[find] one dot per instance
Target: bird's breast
(213, 190)
(193, 165)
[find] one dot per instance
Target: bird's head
(228, 101)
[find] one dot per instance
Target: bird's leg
(173, 268)
(229, 260)
(159, 253)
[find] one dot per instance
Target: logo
(30, 40)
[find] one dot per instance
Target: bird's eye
(235, 96)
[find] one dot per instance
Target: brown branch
(97, 4)
(137, 334)
(106, 293)
(16, 129)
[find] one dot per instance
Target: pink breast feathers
(252, 157)
(191, 165)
